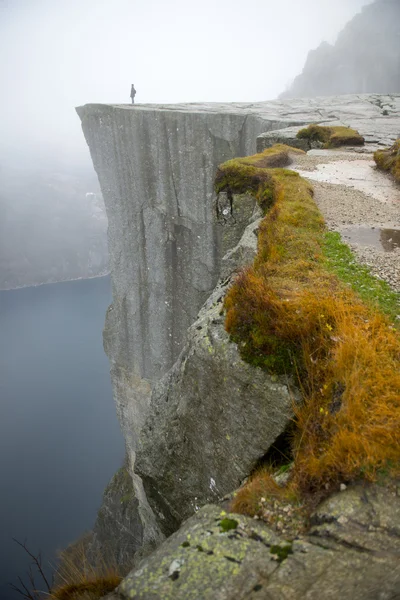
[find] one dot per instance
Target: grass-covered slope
(251, 174)
(291, 312)
(389, 159)
(331, 137)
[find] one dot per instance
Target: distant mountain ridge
(364, 59)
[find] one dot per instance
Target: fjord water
(60, 441)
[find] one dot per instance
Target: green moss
(126, 498)
(373, 291)
(285, 468)
(228, 524)
(331, 137)
(185, 544)
(266, 351)
(389, 159)
(281, 552)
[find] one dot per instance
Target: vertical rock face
(156, 170)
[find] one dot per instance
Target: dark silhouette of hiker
(133, 93)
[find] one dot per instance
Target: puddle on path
(386, 239)
(358, 174)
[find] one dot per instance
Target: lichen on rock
(351, 552)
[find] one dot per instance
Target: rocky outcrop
(364, 59)
(351, 552)
(378, 130)
(184, 399)
(212, 417)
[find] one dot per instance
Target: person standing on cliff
(133, 93)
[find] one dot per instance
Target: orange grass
(288, 314)
(247, 499)
(81, 578)
(88, 590)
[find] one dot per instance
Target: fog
(57, 54)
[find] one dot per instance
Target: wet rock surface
(359, 202)
(351, 553)
(382, 238)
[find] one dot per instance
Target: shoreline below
(21, 287)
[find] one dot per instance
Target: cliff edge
(179, 385)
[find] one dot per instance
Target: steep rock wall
(156, 166)
(156, 170)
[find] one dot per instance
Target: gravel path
(376, 204)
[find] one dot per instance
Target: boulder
(212, 417)
(351, 553)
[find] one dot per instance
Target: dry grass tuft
(288, 313)
(389, 159)
(88, 590)
(79, 578)
(249, 499)
(332, 137)
(280, 507)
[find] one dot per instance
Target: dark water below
(60, 441)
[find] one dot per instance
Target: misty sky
(57, 54)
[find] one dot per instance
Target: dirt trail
(359, 202)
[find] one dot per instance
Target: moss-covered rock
(351, 553)
(389, 160)
(179, 570)
(331, 137)
(249, 175)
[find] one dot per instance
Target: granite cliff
(364, 59)
(188, 405)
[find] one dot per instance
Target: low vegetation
(77, 577)
(81, 578)
(375, 292)
(295, 312)
(331, 137)
(389, 160)
(251, 174)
